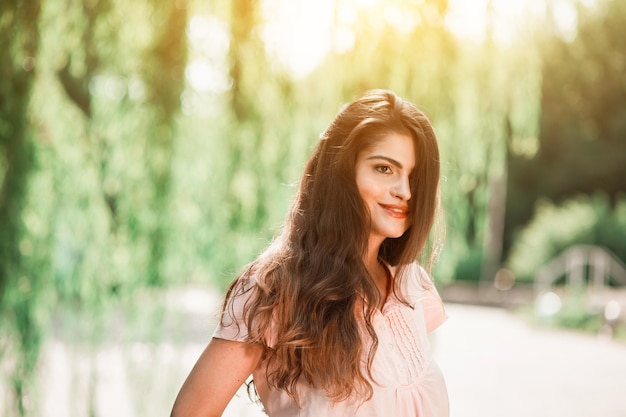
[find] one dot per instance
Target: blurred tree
(246, 60)
(164, 75)
(245, 48)
(87, 163)
(256, 143)
(509, 115)
(89, 28)
(19, 285)
(403, 46)
(20, 40)
(129, 106)
(583, 118)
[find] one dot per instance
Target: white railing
(599, 264)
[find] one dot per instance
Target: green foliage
(469, 268)
(163, 72)
(23, 259)
(80, 225)
(584, 220)
(582, 125)
(574, 315)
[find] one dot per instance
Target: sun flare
(297, 33)
(300, 33)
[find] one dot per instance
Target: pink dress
(408, 381)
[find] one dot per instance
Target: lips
(399, 212)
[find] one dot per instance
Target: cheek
(362, 186)
(367, 191)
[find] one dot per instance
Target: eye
(383, 169)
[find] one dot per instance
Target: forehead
(398, 146)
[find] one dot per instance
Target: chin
(395, 234)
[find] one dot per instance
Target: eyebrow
(386, 158)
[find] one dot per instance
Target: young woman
(332, 318)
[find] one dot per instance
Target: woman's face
(382, 178)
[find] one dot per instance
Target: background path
(498, 365)
(495, 363)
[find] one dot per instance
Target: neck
(376, 269)
(371, 258)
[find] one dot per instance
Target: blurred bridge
(592, 273)
(599, 265)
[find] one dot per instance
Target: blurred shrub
(574, 314)
(588, 220)
(468, 268)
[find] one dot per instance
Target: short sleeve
(232, 325)
(434, 310)
(421, 288)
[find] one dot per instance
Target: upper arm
(215, 378)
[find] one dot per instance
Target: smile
(399, 212)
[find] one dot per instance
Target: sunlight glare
(297, 33)
(472, 20)
(403, 22)
(207, 70)
(209, 35)
(565, 18)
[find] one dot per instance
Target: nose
(402, 188)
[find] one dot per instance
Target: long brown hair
(311, 287)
